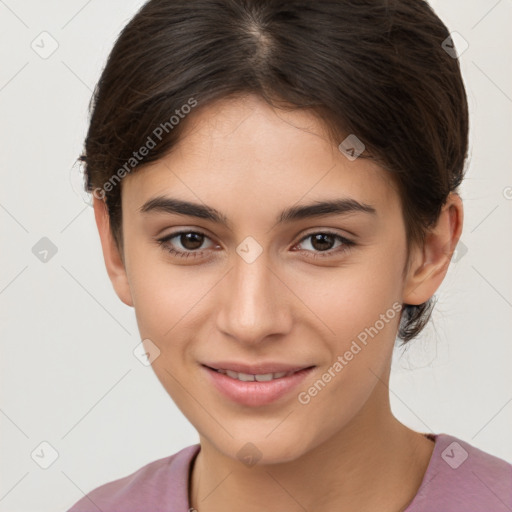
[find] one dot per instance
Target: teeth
(247, 377)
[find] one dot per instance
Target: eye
(323, 241)
(190, 241)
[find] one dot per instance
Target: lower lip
(256, 393)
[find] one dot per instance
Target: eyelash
(345, 247)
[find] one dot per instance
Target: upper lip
(256, 369)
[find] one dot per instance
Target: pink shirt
(459, 478)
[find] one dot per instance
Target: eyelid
(326, 231)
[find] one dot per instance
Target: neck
(374, 463)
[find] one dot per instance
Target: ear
(429, 263)
(113, 261)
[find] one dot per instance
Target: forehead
(246, 154)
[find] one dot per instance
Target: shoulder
(461, 477)
(157, 486)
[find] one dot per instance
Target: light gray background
(68, 374)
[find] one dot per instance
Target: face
(306, 290)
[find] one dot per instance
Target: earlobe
(115, 266)
(430, 263)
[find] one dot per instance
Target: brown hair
(373, 68)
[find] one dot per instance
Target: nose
(254, 302)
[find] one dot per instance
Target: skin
(344, 450)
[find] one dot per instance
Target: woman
(275, 188)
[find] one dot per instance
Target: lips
(256, 389)
(256, 369)
(248, 377)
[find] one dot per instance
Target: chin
(262, 448)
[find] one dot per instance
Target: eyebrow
(342, 206)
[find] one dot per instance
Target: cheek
(364, 316)
(167, 303)
(349, 300)
(369, 307)
(359, 311)
(165, 296)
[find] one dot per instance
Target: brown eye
(323, 242)
(191, 241)
(188, 243)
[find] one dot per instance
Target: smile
(248, 377)
(255, 389)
